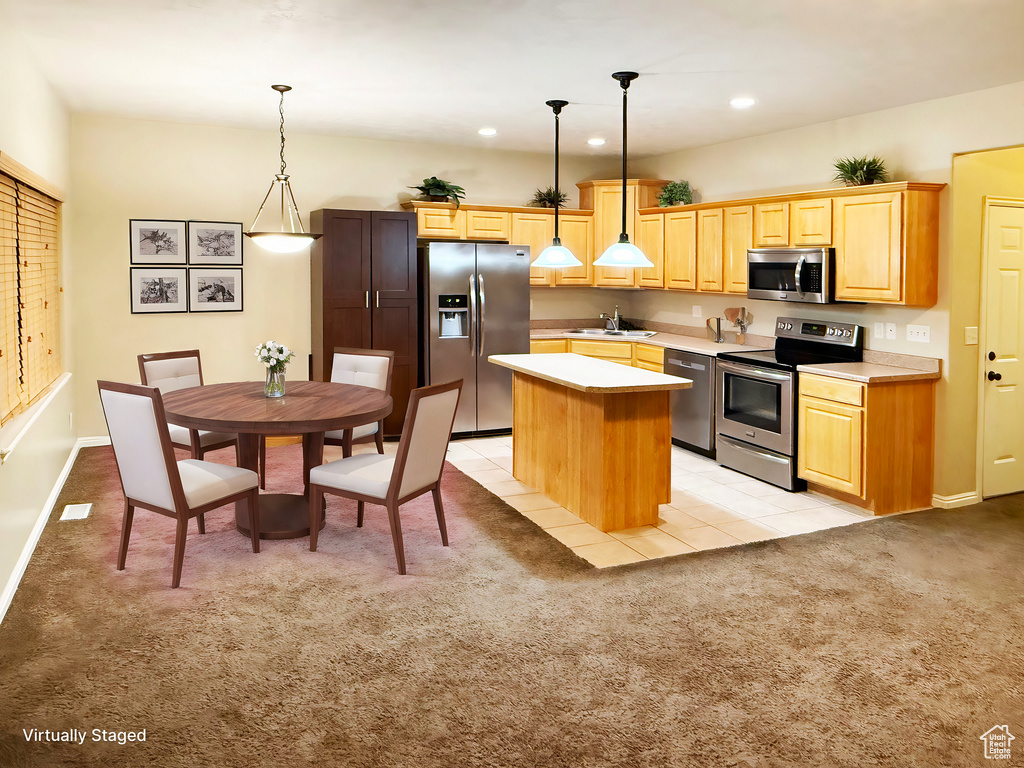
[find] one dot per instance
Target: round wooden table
(309, 408)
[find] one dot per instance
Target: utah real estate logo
(997, 742)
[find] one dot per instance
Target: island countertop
(589, 374)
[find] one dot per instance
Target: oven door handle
(760, 454)
(755, 372)
(797, 271)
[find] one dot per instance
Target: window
(29, 294)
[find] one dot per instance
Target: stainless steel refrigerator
(476, 302)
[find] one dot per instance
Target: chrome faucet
(612, 321)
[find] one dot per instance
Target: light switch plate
(890, 331)
(971, 335)
(697, 310)
(921, 333)
(879, 330)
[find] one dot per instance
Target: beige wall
(918, 143)
(124, 169)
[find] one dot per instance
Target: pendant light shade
(624, 253)
(556, 255)
(277, 226)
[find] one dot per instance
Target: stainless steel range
(757, 391)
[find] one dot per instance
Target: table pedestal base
(282, 516)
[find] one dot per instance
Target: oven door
(755, 405)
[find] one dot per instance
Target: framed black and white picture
(157, 242)
(216, 289)
(159, 289)
(215, 242)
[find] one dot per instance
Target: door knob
(993, 376)
(991, 355)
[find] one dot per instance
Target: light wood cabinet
(613, 351)
(771, 225)
(810, 222)
(869, 444)
(709, 250)
(680, 250)
(650, 238)
(604, 197)
(868, 247)
(649, 357)
(535, 231)
(576, 231)
(441, 220)
(737, 237)
(546, 346)
(487, 225)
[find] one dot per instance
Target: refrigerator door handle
(472, 313)
(483, 308)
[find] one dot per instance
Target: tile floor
(711, 507)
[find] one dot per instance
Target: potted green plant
(440, 190)
(855, 171)
(675, 193)
(548, 198)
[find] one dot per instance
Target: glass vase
(275, 383)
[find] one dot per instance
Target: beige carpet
(896, 642)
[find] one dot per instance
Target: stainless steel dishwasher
(693, 409)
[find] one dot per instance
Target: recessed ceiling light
(488, 131)
(742, 102)
(595, 142)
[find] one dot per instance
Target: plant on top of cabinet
(549, 198)
(676, 193)
(855, 171)
(440, 190)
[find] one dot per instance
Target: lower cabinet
(545, 346)
(649, 357)
(869, 444)
(612, 351)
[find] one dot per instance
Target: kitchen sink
(604, 332)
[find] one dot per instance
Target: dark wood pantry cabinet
(364, 294)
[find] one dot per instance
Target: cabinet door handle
(376, 299)
(367, 299)
(993, 376)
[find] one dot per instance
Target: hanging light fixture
(280, 229)
(624, 253)
(556, 255)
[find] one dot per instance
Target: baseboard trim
(44, 515)
(956, 500)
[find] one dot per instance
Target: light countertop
(869, 373)
(588, 374)
(671, 340)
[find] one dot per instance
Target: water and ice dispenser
(453, 311)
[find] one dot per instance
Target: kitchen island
(592, 436)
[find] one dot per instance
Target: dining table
(308, 408)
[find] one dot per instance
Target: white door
(1003, 385)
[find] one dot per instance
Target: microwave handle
(796, 273)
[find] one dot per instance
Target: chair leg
(201, 522)
(379, 437)
(126, 532)
(179, 551)
(359, 514)
(253, 502)
(439, 508)
(396, 536)
(262, 468)
(316, 502)
(346, 443)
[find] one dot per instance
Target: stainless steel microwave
(791, 274)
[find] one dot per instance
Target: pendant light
(624, 253)
(556, 255)
(280, 229)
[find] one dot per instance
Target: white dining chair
(393, 480)
(367, 368)
(152, 479)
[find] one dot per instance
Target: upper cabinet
(737, 237)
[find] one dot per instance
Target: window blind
(29, 294)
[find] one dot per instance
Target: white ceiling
(437, 70)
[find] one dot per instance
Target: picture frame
(157, 241)
(215, 242)
(215, 289)
(158, 289)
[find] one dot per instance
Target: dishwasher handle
(683, 364)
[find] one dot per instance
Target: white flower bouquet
(273, 355)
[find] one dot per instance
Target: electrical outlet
(890, 331)
(920, 333)
(879, 330)
(971, 336)
(697, 310)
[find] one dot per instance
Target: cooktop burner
(806, 342)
